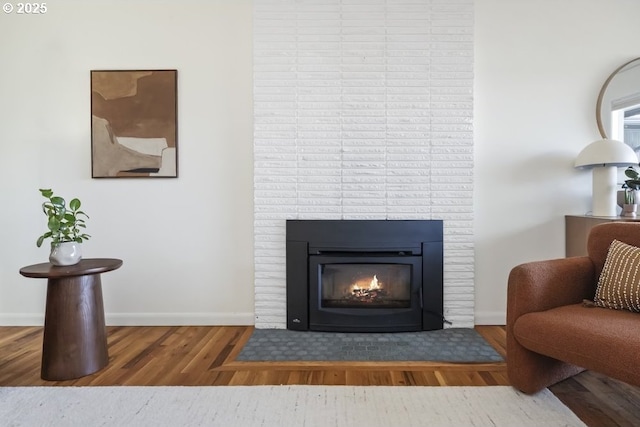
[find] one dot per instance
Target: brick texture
(363, 109)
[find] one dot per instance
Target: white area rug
(280, 406)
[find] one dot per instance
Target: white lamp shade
(604, 157)
(606, 152)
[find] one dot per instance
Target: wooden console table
(75, 337)
(577, 228)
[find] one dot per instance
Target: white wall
(539, 68)
(187, 242)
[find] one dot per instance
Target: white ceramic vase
(629, 210)
(620, 197)
(67, 253)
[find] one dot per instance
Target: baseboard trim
(179, 319)
(491, 318)
(22, 319)
(145, 319)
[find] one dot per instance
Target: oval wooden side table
(75, 337)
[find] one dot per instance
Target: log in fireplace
(364, 275)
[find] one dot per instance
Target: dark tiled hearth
(445, 345)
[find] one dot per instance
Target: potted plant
(630, 188)
(66, 224)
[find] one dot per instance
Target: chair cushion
(619, 283)
(594, 338)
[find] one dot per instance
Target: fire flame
(374, 284)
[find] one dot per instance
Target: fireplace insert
(364, 275)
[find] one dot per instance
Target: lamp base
(604, 191)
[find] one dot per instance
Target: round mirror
(618, 106)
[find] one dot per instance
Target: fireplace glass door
(365, 292)
(365, 286)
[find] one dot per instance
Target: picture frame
(134, 129)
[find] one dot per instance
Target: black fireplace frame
(362, 238)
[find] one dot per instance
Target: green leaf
(631, 173)
(40, 240)
(53, 224)
(51, 210)
(46, 192)
(58, 201)
(74, 204)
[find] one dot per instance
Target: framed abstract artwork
(134, 124)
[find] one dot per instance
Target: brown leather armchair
(552, 334)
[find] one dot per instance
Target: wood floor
(203, 355)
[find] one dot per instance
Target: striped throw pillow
(619, 283)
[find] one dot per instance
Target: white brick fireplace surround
(363, 110)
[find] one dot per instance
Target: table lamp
(604, 157)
